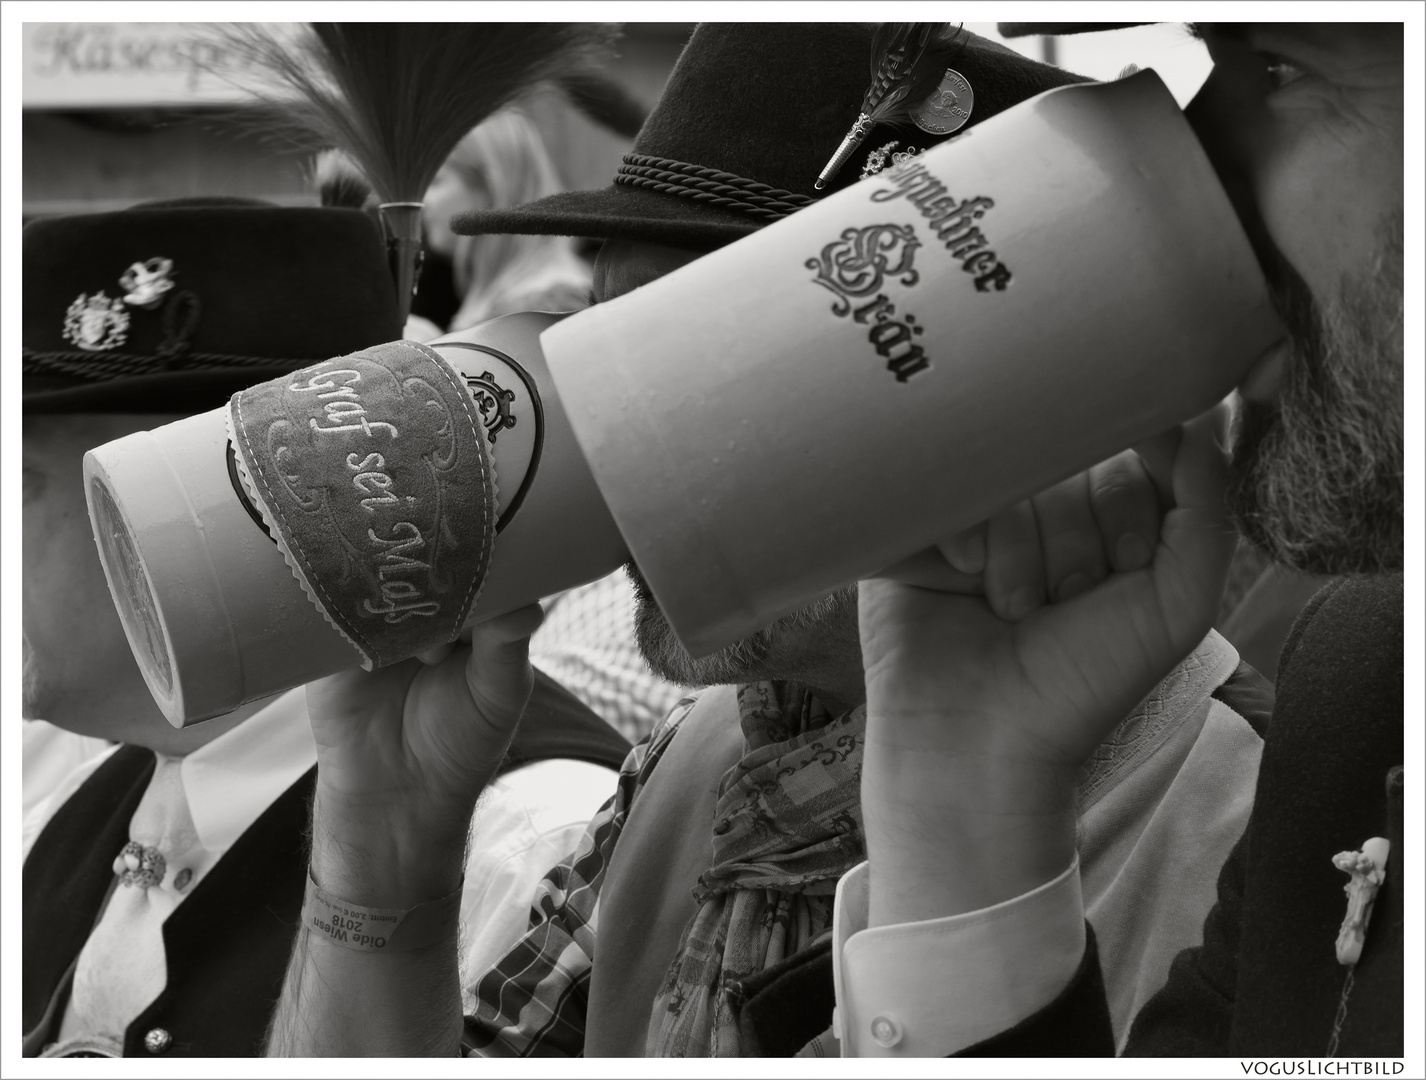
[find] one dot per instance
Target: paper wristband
(377, 929)
(372, 473)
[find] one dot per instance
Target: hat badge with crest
(96, 323)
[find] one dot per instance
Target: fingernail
(1073, 586)
(1022, 602)
(973, 554)
(1131, 552)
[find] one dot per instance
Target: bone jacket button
(886, 1031)
(157, 1041)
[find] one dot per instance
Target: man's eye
(1280, 72)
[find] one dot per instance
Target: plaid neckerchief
(788, 826)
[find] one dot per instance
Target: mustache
(1296, 307)
(641, 586)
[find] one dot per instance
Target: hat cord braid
(713, 186)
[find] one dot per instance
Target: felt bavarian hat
(173, 306)
(750, 115)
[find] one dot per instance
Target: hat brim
(618, 212)
(1017, 30)
(170, 391)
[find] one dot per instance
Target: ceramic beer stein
(839, 390)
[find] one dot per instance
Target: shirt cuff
(928, 989)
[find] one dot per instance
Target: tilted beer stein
(836, 392)
(231, 589)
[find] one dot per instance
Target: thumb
(1158, 454)
(1197, 537)
(929, 569)
(497, 671)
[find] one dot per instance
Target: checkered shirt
(532, 1002)
(587, 645)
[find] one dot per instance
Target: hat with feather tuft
(751, 114)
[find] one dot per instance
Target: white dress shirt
(50, 754)
(927, 989)
(226, 785)
(228, 782)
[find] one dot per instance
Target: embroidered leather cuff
(372, 473)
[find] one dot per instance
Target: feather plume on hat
(908, 61)
(395, 98)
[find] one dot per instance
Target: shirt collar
(233, 779)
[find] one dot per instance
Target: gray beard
(1317, 476)
(756, 657)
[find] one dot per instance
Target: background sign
(124, 65)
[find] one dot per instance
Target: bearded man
(1304, 123)
(681, 924)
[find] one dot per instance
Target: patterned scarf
(788, 825)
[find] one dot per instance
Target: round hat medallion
(948, 107)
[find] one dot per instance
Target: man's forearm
(338, 1002)
(948, 834)
(342, 1001)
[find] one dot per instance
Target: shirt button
(885, 1031)
(184, 877)
(157, 1041)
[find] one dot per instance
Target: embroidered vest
(238, 921)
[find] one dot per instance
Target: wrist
(386, 859)
(967, 867)
(376, 928)
(952, 832)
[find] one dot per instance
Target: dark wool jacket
(1266, 981)
(228, 943)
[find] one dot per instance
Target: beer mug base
(212, 612)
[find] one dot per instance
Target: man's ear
(623, 265)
